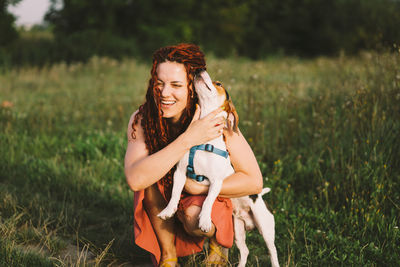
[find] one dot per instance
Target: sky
(29, 12)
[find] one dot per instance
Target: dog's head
(207, 89)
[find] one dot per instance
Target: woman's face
(173, 84)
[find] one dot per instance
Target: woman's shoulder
(134, 126)
(133, 115)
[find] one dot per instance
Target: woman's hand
(195, 188)
(201, 131)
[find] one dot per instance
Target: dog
(211, 166)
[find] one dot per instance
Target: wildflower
(384, 166)
(367, 141)
(7, 104)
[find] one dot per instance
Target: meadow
(325, 132)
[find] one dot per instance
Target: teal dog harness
(205, 147)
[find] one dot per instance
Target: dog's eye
(218, 84)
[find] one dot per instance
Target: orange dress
(186, 244)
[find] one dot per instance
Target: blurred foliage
(254, 28)
(7, 32)
(250, 28)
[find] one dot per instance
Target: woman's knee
(153, 200)
(190, 218)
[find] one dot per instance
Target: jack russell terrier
(212, 168)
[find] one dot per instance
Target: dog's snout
(198, 71)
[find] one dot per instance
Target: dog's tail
(265, 190)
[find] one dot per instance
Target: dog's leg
(265, 223)
(179, 183)
(205, 223)
(240, 240)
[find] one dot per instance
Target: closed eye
(218, 84)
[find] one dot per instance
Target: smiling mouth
(167, 103)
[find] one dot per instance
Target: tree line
(250, 28)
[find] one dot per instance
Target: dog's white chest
(212, 165)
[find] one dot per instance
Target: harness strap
(205, 147)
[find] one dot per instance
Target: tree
(7, 30)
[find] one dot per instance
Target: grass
(325, 133)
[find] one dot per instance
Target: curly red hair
(159, 131)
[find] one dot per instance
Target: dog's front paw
(167, 213)
(205, 223)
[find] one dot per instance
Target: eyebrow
(159, 80)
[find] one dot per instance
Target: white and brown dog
(212, 168)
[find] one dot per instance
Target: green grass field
(325, 133)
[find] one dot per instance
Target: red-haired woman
(164, 128)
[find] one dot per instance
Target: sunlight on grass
(324, 131)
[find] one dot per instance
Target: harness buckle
(200, 178)
(209, 148)
(190, 169)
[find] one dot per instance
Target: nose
(166, 90)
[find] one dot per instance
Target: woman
(164, 128)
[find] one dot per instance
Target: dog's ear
(233, 118)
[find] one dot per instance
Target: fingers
(207, 128)
(218, 130)
(218, 121)
(211, 115)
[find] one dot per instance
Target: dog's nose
(198, 71)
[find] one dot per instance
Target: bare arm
(143, 170)
(247, 178)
